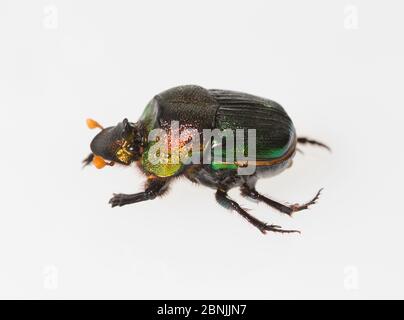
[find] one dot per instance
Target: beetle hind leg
(250, 192)
(224, 200)
(303, 140)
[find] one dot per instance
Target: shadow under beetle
(198, 108)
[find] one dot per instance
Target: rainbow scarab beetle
(196, 108)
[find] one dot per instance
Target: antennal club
(92, 124)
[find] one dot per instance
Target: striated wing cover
(275, 132)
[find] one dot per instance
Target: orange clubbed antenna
(92, 124)
(99, 162)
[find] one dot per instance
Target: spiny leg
(223, 199)
(303, 140)
(88, 160)
(289, 210)
(154, 187)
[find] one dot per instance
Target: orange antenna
(100, 163)
(92, 124)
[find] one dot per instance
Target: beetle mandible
(199, 109)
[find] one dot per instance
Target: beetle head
(118, 144)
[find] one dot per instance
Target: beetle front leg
(87, 161)
(154, 187)
(289, 210)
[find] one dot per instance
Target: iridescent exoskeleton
(194, 109)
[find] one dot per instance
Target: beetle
(199, 109)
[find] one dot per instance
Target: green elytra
(266, 150)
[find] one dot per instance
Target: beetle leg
(87, 161)
(289, 210)
(154, 187)
(303, 140)
(224, 200)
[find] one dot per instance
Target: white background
(340, 79)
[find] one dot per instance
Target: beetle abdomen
(275, 133)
